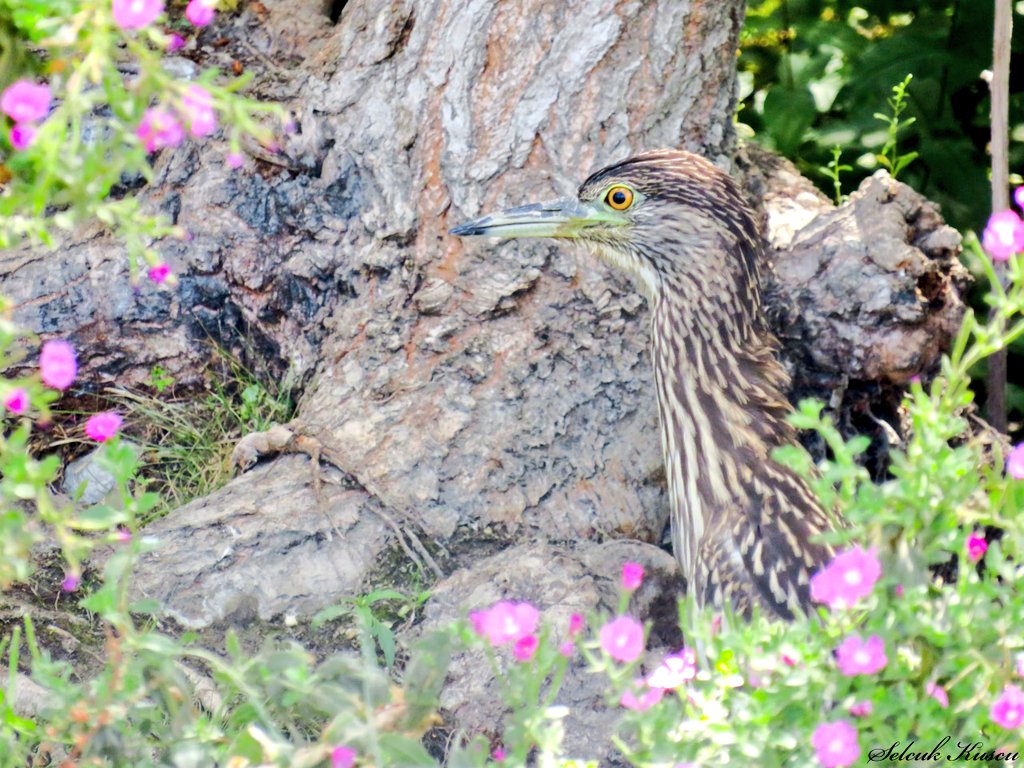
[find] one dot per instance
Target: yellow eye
(619, 197)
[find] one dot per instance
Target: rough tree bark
(454, 388)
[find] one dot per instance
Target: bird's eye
(619, 198)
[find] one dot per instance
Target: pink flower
(898, 590)
(136, 14)
(850, 576)
(175, 42)
(632, 576)
(498, 755)
(159, 128)
(789, 661)
(16, 401)
(623, 638)
(505, 622)
(103, 426)
(862, 708)
(71, 582)
(836, 744)
(123, 535)
(234, 160)
(200, 12)
(1020, 656)
(576, 622)
(674, 670)
(938, 693)
(857, 657)
(1008, 709)
(1018, 196)
(343, 757)
(159, 273)
(525, 647)
(567, 649)
(976, 546)
(23, 101)
(1015, 461)
(58, 365)
(22, 135)
(197, 109)
(1004, 235)
(648, 696)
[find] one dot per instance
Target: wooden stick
(1000, 91)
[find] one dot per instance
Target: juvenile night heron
(743, 527)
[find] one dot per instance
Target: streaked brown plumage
(744, 528)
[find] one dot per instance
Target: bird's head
(666, 215)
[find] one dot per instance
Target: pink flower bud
(525, 648)
(22, 135)
(632, 576)
(196, 108)
(136, 14)
(343, 757)
(159, 128)
(1003, 235)
(103, 426)
(159, 273)
(976, 546)
(57, 364)
(622, 638)
(200, 12)
(16, 401)
(23, 101)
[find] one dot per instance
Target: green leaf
(381, 594)
(103, 601)
(233, 645)
(148, 607)
(159, 644)
(330, 613)
(99, 517)
(403, 751)
(386, 641)
(788, 113)
(903, 161)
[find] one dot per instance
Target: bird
(746, 530)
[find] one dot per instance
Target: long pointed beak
(560, 218)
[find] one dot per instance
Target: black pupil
(619, 197)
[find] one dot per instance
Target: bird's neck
(721, 403)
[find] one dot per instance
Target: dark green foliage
(814, 73)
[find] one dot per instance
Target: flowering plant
(75, 127)
(915, 651)
(915, 647)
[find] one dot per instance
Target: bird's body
(744, 528)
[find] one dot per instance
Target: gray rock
(87, 476)
(871, 290)
(262, 546)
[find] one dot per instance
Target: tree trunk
(477, 388)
